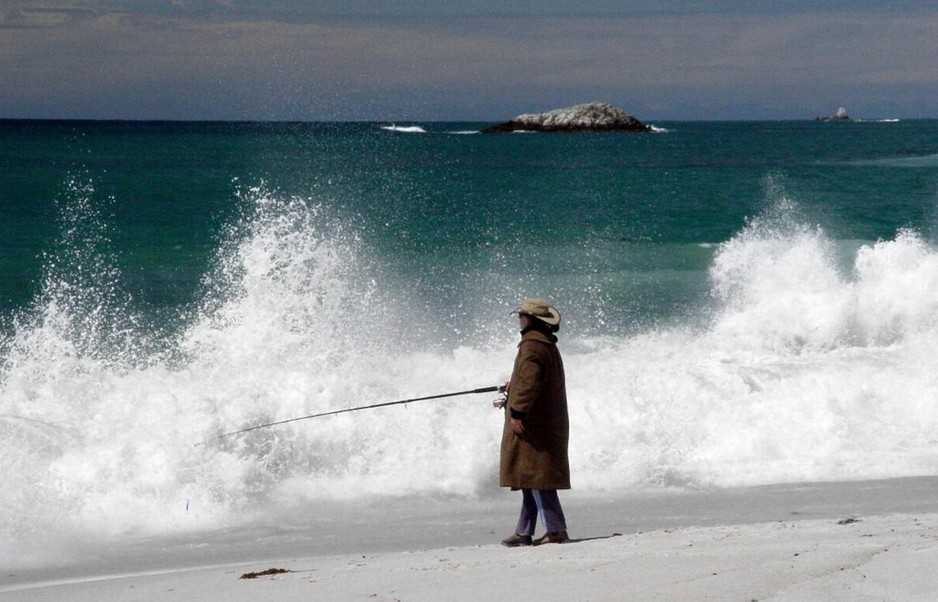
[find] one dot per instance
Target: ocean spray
(803, 370)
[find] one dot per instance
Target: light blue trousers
(544, 502)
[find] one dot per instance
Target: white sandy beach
(872, 540)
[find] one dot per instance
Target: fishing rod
(355, 409)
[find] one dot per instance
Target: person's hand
(517, 427)
(504, 388)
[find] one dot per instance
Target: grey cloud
(43, 17)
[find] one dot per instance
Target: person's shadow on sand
(585, 539)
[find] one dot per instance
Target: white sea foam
(807, 371)
(918, 161)
(404, 129)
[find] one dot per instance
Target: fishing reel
(501, 401)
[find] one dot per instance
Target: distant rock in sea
(840, 115)
(589, 117)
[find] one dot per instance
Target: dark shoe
(552, 537)
(516, 541)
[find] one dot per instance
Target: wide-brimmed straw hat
(540, 309)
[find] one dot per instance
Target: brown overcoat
(538, 458)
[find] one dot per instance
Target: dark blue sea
(743, 303)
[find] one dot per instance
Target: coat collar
(536, 335)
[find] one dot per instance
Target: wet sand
(870, 540)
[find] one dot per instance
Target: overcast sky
(422, 60)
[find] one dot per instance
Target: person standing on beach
(537, 429)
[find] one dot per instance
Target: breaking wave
(809, 368)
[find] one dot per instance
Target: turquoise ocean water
(744, 303)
